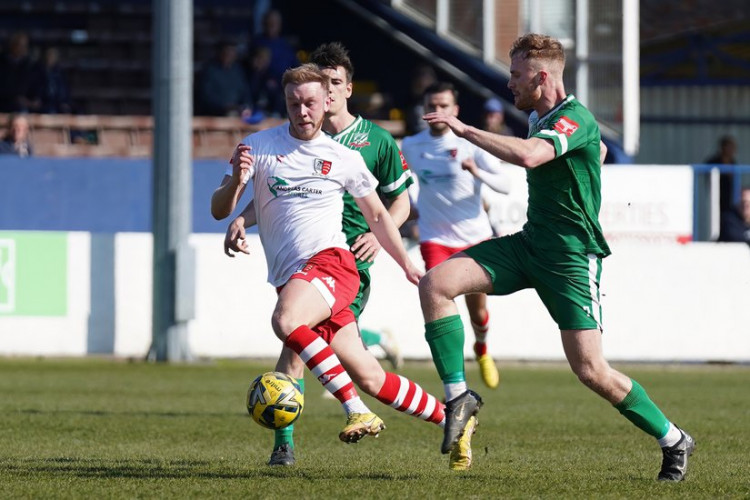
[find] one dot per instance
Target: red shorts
(333, 272)
(435, 253)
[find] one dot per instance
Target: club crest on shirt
(453, 152)
(359, 140)
(566, 126)
(322, 167)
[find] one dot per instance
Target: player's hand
(234, 240)
(470, 166)
(366, 247)
(413, 273)
(458, 127)
(242, 164)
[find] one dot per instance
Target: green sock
(286, 435)
(370, 337)
(445, 337)
(639, 409)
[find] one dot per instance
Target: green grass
(95, 428)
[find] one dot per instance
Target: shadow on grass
(173, 469)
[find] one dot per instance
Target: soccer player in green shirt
(558, 253)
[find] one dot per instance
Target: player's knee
(430, 290)
(283, 324)
(590, 375)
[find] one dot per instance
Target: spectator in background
(268, 99)
(730, 220)
(48, 87)
(283, 54)
(16, 138)
(260, 8)
(422, 77)
(735, 223)
(15, 72)
(725, 155)
(222, 88)
(493, 117)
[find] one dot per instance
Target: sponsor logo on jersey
(322, 167)
(404, 165)
(330, 282)
(427, 176)
(359, 140)
(280, 186)
(566, 126)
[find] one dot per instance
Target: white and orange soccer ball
(275, 400)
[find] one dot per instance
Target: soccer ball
(275, 400)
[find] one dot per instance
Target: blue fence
(110, 195)
(103, 195)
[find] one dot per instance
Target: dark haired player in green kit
(558, 253)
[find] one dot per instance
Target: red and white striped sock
(480, 335)
(325, 365)
(408, 397)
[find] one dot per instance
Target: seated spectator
(48, 86)
(283, 55)
(735, 223)
(493, 117)
(15, 72)
(16, 138)
(268, 98)
(222, 88)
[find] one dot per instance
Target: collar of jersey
(357, 119)
(568, 98)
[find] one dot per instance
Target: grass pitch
(95, 428)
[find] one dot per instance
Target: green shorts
(567, 283)
(363, 294)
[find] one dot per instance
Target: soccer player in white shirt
(299, 177)
(451, 171)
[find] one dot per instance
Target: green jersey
(565, 193)
(383, 159)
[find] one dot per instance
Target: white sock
(355, 405)
(671, 438)
(454, 390)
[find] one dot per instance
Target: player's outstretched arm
(234, 240)
(382, 225)
(527, 153)
(225, 198)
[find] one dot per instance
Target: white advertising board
(652, 203)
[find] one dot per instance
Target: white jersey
(298, 188)
(449, 199)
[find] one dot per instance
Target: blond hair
(536, 46)
(306, 73)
